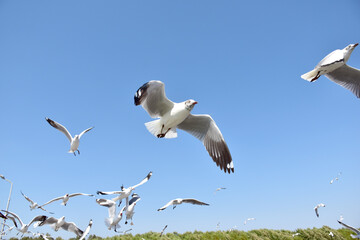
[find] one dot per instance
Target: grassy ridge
(259, 234)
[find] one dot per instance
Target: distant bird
(179, 201)
(87, 230)
(334, 67)
(151, 96)
(317, 207)
(335, 179)
(218, 189)
(66, 198)
(331, 234)
(126, 231)
(218, 226)
(249, 219)
(125, 192)
(341, 218)
(34, 204)
(130, 209)
(295, 234)
(24, 228)
(162, 232)
(74, 142)
(352, 229)
(113, 220)
(56, 224)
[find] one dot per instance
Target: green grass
(259, 234)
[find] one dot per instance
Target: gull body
(334, 67)
(317, 207)
(24, 228)
(172, 116)
(66, 198)
(179, 201)
(74, 141)
(113, 220)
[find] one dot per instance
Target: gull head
(189, 104)
(348, 50)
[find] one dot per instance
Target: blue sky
(80, 63)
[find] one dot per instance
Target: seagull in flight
(66, 198)
(24, 228)
(218, 189)
(74, 142)
(125, 192)
(179, 201)
(295, 234)
(130, 209)
(113, 220)
(317, 207)
(34, 204)
(335, 179)
(151, 96)
(56, 224)
(249, 219)
(352, 229)
(87, 230)
(334, 67)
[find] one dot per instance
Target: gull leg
(119, 203)
(161, 135)
(125, 222)
(78, 151)
(174, 206)
(74, 153)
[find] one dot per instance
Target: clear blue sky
(80, 63)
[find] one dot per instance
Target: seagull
(151, 96)
(341, 218)
(66, 198)
(331, 234)
(56, 224)
(74, 142)
(24, 227)
(249, 219)
(316, 208)
(125, 192)
(295, 234)
(162, 232)
(130, 209)
(126, 231)
(337, 178)
(34, 204)
(352, 229)
(334, 67)
(178, 201)
(218, 189)
(113, 220)
(87, 230)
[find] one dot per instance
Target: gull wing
(166, 205)
(59, 127)
(110, 204)
(316, 211)
(346, 77)
(144, 180)
(151, 96)
(194, 201)
(162, 232)
(13, 217)
(87, 230)
(82, 133)
(109, 193)
(27, 198)
(204, 128)
(334, 56)
(78, 194)
(71, 227)
(350, 227)
(40, 218)
(52, 200)
(134, 200)
(50, 220)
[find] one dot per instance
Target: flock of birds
(170, 117)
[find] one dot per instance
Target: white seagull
(151, 96)
(335, 179)
(331, 234)
(179, 201)
(352, 229)
(34, 204)
(125, 192)
(74, 142)
(24, 228)
(113, 220)
(66, 198)
(87, 230)
(317, 207)
(295, 234)
(56, 224)
(334, 67)
(249, 219)
(130, 209)
(218, 189)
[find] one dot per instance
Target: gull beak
(356, 44)
(195, 103)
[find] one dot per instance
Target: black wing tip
(99, 192)
(140, 93)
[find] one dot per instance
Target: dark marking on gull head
(140, 94)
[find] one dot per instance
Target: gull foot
(161, 135)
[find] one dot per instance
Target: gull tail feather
(309, 76)
(154, 127)
(107, 223)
